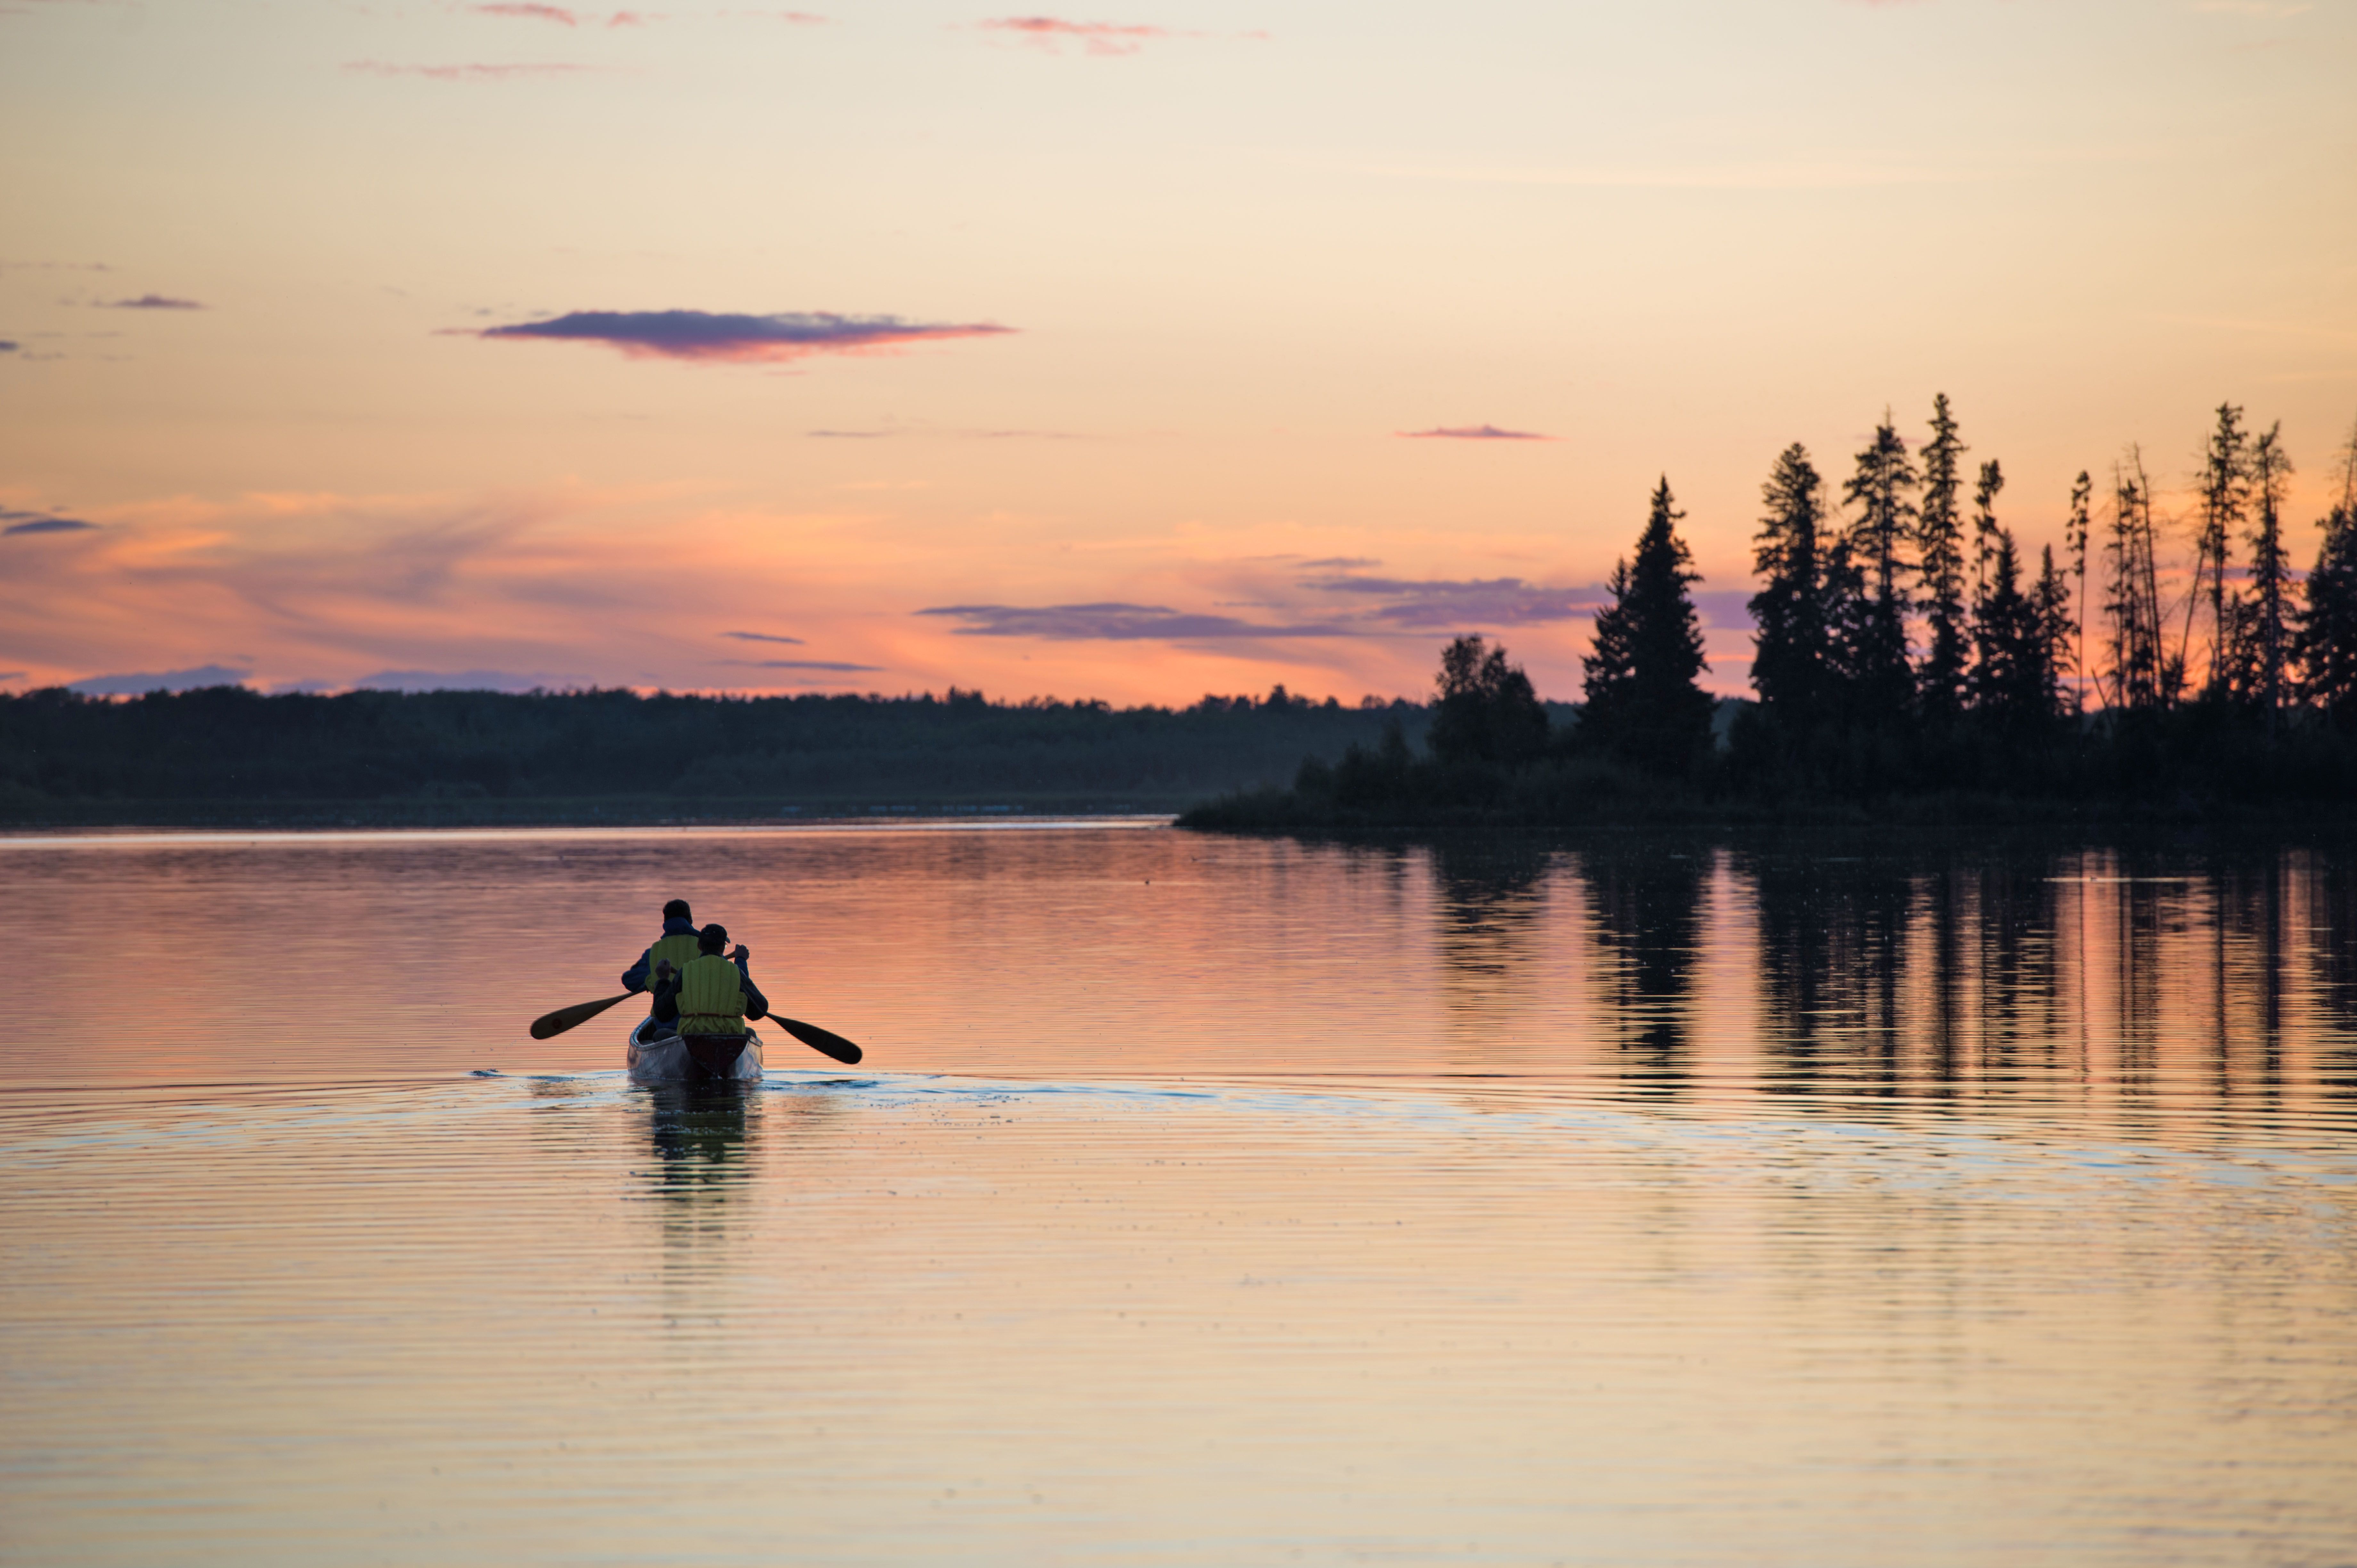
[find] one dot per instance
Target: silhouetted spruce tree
(1642, 702)
(2002, 637)
(1792, 664)
(2225, 490)
(2075, 531)
(2056, 630)
(1940, 542)
(1488, 711)
(2140, 673)
(1883, 680)
(2265, 622)
(2325, 640)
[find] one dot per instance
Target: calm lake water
(1818, 1200)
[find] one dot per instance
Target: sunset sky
(1129, 352)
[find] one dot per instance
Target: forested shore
(1912, 664)
(226, 756)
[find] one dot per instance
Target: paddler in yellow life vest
(674, 947)
(709, 998)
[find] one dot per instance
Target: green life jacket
(678, 949)
(711, 998)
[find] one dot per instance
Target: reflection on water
(1648, 912)
(699, 1137)
(1647, 1199)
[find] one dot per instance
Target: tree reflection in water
(1491, 903)
(1647, 898)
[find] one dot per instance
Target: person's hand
(741, 954)
(663, 970)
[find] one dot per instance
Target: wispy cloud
(1115, 623)
(1051, 33)
(705, 335)
(828, 665)
(761, 636)
(454, 681)
(1341, 562)
(557, 14)
(166, 681)
(462, 72)
(1444, 604)
(39, 523)
(7, 345)
(151, 301)
(1471, 433)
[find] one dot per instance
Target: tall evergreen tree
(1791, 663)
(1884, 681)
(2004, 637)
(2141, 674)
(2055, 628)
(2225, 489)
(1940, 544)
(2326, 639)
(1642, 701)
(2265, 621)
(2075, 531)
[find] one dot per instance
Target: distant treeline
(1911, 661)
(229, 754)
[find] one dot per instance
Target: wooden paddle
(824, 1041)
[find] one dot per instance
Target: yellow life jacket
(678, 949)
(711, 998)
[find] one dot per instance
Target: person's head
(712, 938)
(677, 910)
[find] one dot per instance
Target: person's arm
(635, 977)
(756, 1004)
(666, 997)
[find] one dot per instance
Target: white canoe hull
(666, 1060)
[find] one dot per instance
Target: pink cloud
(1096, 38)
(1472, 432)
(458, 72)
(529, 12)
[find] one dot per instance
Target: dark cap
(712, 938)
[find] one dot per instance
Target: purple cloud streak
(704, 335)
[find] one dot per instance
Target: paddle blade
(564, 1018)
(823, 1041)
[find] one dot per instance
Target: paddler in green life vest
(709, 998)
(674, 947)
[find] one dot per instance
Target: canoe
(667, 1058)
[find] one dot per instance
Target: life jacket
(710, 996)
(677, 949)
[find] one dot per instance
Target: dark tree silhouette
(2141, 674)
(2264, 620)
(2075, 531)
(2226, 494)
(1792, 664)
(1642, 702)
(1488, 711)
(2006, 635)
(1940, 542)
(2058, 631)
(2325, 640)
(1876, 653)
